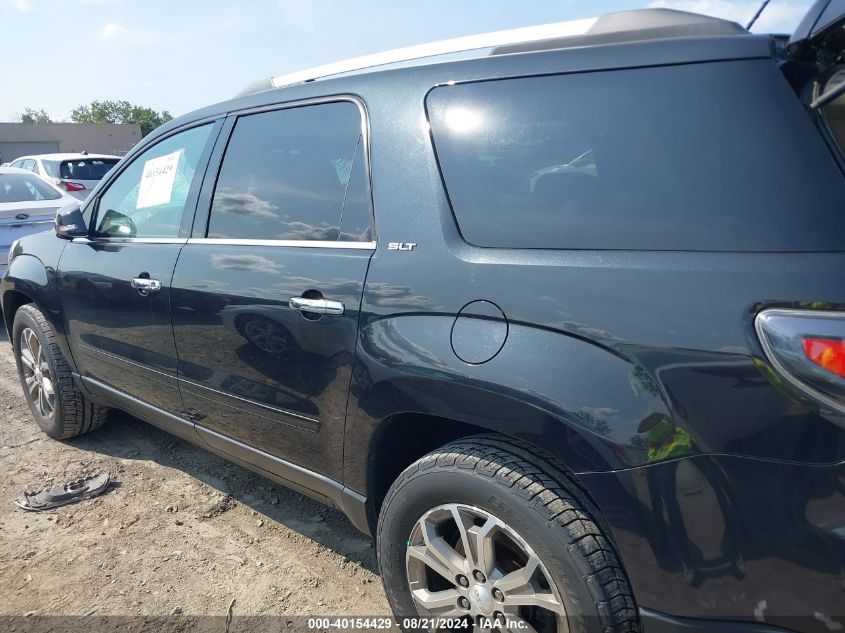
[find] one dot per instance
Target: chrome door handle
(146, 287)
(316, 306)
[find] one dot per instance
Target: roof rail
(431, 49)
(638, 24)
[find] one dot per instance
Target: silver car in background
(76, 173)
(28, 204)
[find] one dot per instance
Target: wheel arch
(26, 281)
(588, 407)
(395, 445)
(404, 437)
(12, 301)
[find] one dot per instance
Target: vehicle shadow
(126, 437)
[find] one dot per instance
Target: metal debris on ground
(71, 492)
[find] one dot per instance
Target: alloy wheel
(463, 562)
(36, 373)
(265, 335)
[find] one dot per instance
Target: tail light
(827, 353)
(73, 186)
(806, 348)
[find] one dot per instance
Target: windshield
(25, 188)
(82, 169)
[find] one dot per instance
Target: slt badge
(401, 246)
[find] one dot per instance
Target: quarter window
(287, 174)
(356, 220)
(148, 198)
(711, 157)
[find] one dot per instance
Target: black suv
(560, 323)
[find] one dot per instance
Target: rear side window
(25, 188)
(51, 167)
(86, 169)
(711, 157)
(294, 174)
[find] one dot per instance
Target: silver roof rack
(431, 49)
(612, 27)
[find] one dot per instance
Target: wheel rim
(38, 379)
(265, 335)
(462, 561)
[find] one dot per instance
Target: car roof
(17, 170)
(67, 156)
(639, 25)
(643, 37)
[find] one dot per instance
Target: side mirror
(115, 224)
(69, 222)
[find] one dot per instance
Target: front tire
(60, 409)
(485, 529)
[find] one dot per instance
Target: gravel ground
(181, 533)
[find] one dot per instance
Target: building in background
(23, 139)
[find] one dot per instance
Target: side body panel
(35, 277)
(117, 336)
(639, 370)
(731, 538)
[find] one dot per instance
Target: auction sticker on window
(157, 180)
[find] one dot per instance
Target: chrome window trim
(129, 240)
(222, 241)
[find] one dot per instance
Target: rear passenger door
(266, 293)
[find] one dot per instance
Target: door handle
(316, 306)
(145, 286)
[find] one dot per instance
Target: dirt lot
(182, 534)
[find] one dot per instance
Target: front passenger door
(114, 286)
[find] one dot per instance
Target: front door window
(147, 200)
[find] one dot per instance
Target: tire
(523, 500)
(68, 413)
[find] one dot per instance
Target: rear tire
(538, 551)
(59, 407)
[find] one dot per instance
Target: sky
(179, 55)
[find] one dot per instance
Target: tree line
(105, 112)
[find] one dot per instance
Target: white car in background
(77, 174)
(28, 204)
